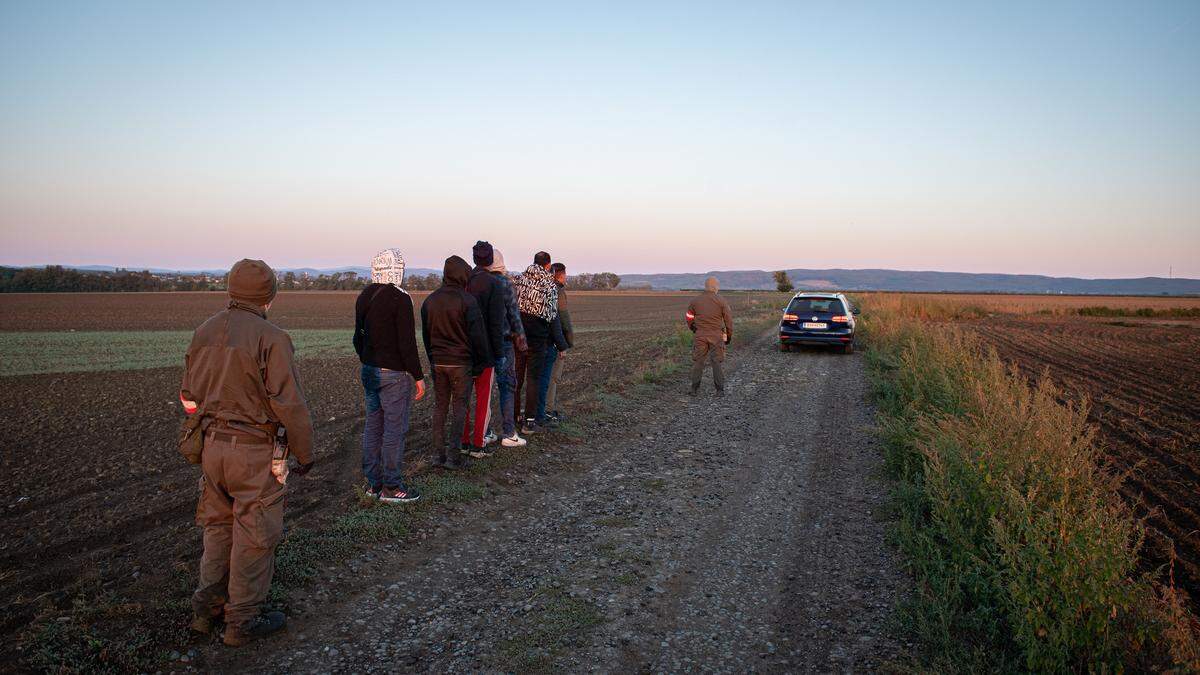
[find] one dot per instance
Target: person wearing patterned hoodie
(386, 342)
(537, 300)
(513, 345)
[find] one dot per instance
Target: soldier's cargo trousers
(241, 511)
(706, 349)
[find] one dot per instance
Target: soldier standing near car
(711, 320)
(240, 374)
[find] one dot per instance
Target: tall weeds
(1025, 557)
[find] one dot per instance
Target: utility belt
(232, 430)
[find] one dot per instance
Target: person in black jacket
(385, 339)
(489, 293)
(457, 344)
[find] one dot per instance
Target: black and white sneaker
(400, 495)
(489, 438)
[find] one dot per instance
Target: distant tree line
(59, 279)
(417, 282)
(338, 281)
(603, 281)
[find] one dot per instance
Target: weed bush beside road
(1024, 554)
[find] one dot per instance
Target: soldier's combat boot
(260, 626)
(202, 624)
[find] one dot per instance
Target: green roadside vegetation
(1024, 556)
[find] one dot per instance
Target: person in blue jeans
(556, 345)
(385, 338)
(513, 341)
(389, 395)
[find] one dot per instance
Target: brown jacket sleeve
(727, 314)
(287, 400)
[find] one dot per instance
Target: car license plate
(810, 324)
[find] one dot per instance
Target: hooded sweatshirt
(384, 329)
(489, 293)
(537, 294)
(511, 327)
(451, 324)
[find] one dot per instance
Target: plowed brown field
(96, 505)
(1143, 380)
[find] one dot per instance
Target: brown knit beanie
(252, 281)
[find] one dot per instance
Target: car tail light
(840, 319)
(790, 317)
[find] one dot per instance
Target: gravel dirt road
(743, 533)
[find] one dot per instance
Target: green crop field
(33, 353)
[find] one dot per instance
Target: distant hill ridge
(926, 281)
(813, 279)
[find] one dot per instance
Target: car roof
(813, 294)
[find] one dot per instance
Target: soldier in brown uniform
(241, 375)
(711, 320)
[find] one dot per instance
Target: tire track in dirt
(732, 534)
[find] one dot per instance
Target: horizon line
(326, 269)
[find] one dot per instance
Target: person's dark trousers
(521, 365)
(451, 387)
(389, 395)
(544, 381)
(705, 349)
(533, 378)
(506, 382)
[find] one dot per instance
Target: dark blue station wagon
(818, 319)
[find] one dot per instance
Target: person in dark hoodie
(489, 294)
(385, 339)
(457, 344)
(537, 300)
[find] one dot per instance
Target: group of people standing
(241, 392)
(480, 328)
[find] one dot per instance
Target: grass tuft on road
(558, 622)
(1025, 556)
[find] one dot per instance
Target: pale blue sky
(1057, 138)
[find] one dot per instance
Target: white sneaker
(513, 441)
(489, 438)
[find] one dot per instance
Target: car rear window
(810, 305)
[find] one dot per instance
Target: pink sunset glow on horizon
(634, 141)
